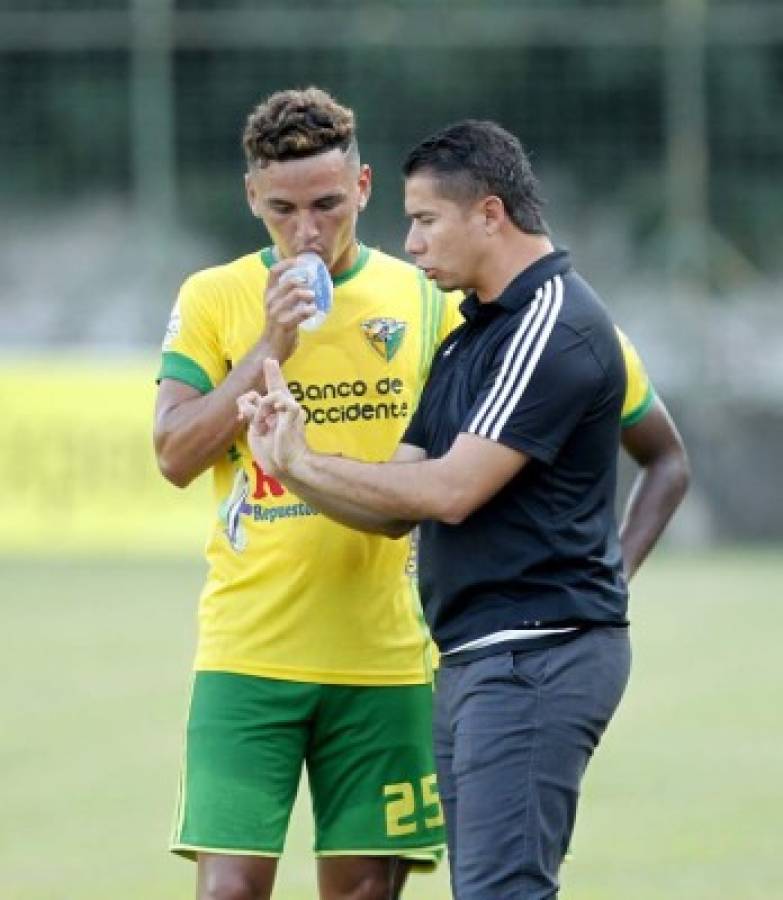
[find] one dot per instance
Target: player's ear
(494, 213)
(251, 193)
(365, 185)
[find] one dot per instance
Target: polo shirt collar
(522, 288)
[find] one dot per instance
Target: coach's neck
(508, 251)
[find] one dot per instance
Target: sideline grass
(682, 801)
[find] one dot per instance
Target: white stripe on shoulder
(517, 353)
(520, 359)
(530, 366)
(508, 359)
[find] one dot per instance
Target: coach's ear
(494, 212)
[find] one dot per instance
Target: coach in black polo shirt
(540, 371)
(509, 466)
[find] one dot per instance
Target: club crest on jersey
(384, 335)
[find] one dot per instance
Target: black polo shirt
(540, 370)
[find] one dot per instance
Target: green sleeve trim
(183, 368)
(269, 257)
(636, 415)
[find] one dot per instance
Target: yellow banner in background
(77, 466)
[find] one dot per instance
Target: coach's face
(311, 204)
(446, 237)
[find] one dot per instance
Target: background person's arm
(656, 446)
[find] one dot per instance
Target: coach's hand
(287, 303)
(275, 432)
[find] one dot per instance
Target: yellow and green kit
(296, 605)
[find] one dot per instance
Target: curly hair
(297, 123)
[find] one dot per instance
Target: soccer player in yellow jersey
(311, 648)
(311, 645)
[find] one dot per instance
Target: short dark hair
(297, 123)
(471, 159)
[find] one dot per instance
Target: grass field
(684, 799)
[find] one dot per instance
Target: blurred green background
(683, 799)
(656, 128)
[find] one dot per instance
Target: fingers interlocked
(261, 412)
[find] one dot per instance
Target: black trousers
(513, 735)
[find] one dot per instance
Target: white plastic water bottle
(311, 270)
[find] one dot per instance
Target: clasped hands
(275, 424)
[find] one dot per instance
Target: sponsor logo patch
(237, 509)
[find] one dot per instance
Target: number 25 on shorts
(401, 806)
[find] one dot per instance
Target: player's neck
(347, 260)
(511, 255)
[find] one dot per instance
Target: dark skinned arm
(656, 446)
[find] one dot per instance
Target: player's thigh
(368, 877)
(246, 741)
(223, 877)
(372, 774)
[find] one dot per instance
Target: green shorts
(369, 758)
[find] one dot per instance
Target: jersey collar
(522, 289)
(270, 256)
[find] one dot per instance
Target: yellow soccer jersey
(639, 394)
(289, 593)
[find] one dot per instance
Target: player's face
(445, 237)
(311, 204)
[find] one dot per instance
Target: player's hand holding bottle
(289, 301)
